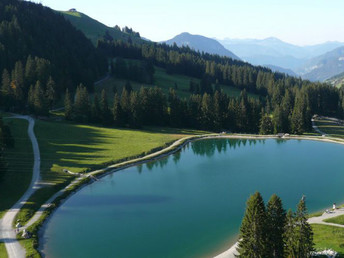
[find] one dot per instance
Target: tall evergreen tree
(6, 90)
(95, 110)
(82, 104)
(50, 92)
(39, 102)
(276, 219)
(117, 112)
(68, 106)
(303, 231)
(253, 230)
(105, 112)
(289, 236)
(266, 126)
(31, 99)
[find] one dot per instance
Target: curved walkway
(332, 214)
(7, 233)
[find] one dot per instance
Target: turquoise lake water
(190, 204)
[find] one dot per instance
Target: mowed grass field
(336, 220)
(331, 127)
(165, 82)
(80, 148)
(3, 252)
(329, 237)
(17, 178)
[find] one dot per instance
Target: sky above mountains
(301, 22)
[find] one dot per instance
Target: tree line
(271, 232)
(29, 86)
(311, 98)
(215, 112)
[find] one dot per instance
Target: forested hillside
(39, 47)
(94, 30)
(42, 55)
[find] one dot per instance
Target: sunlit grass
(328, 237)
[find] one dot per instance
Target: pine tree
(289, 235)
(253, 231)
(105, 112)
(266, 126)
(303, 231)
(82, 104)
(276, 218)
(117, 111)
(125, 104)
(50, 92)
(39, 101)
(31, 99)
(95, 110)
(68, 106)
(6, 90)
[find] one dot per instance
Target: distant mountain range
(202, 44)
(337, 80)
(275, 68)
(315, 62)
(324, 66)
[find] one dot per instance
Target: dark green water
(191, 203)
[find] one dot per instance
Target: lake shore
(176, 146)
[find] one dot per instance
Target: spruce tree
(95, 110)
(289, 235)
(105, 112)
(31, 99)
(266, 126)
(39, 101)
(276, 218)
(303, 231)
(68, 105)
(117, 111)
(82, 104)
(253, 231)
(50, 92)
(6, 90)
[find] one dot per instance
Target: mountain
(325, 66)
(275, 68)
(337, 80)
(202, 44)
(273, 51)
(94, 30)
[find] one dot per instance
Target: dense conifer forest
(43, 56)
(40, 49)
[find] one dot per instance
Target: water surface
(190, 204)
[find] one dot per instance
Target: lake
(190, 204)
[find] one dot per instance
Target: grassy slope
(164, 81)
(93, 29)
(330, 127)
(329, 237)
(20, 162)
(83, 147)
(336, 220)
(3, 252)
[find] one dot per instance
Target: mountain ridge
(202, 44)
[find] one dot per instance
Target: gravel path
(7, 233)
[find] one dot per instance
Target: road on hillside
(7, 233)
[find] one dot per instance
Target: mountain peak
(202, 44)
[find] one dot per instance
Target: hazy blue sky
(295, 21)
